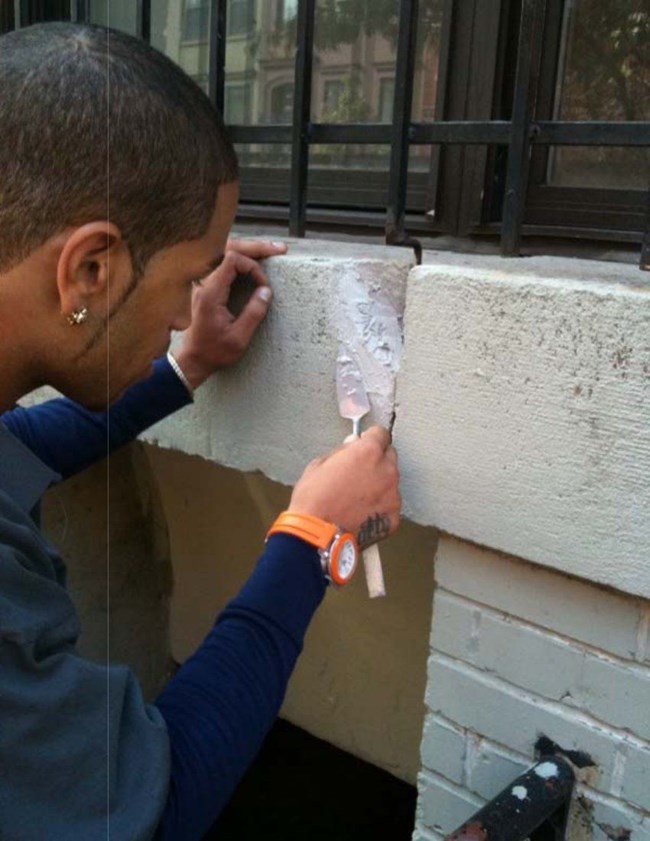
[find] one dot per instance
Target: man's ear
(94, 259)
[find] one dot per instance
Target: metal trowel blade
(350, 391)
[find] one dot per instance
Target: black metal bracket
(534, 806)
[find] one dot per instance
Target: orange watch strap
(311, 529)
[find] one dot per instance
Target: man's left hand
(216, 338)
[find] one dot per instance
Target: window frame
(489, 140)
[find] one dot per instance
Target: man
(118, 186)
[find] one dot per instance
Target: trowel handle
(374, 572)
(371, 559)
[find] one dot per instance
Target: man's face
(140, 328)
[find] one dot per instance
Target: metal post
(21, 13)
(301, 116)
(80, 11)
(143, 20)
(217, 54)
(399, 158)
(644, 263)
(530, 35)
(540, 797)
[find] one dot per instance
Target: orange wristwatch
(338, 550)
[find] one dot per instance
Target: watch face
(345, 561)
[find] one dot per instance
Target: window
(236, 107)
(431, 120)
(332, 96)
(196, 18)
(281, 106)
(286, 11)
(386, 96)
(240, 16)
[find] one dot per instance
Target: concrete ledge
(523, 418)
(277, 409)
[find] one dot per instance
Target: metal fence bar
(539, 798)
(519, 149)
(80, 11)
(468, 132)
(143, 20)
(21, 13)
(644, 262)
(399, 158)
(217, 53)
(588, 133)
(301, 116)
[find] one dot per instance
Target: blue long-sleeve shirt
(80, 751)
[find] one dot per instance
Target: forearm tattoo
(373, 529)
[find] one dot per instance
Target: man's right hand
(356, 487)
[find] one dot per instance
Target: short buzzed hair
(95, 124)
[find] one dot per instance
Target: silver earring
(78, 316)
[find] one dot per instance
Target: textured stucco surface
(277, 409)
(523, 418)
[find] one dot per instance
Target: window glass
(603, 74)
(236, 99)
(196, 20)
(348, 175)
(240, 17)
(181, 29)
(120, 14)
(386, 96)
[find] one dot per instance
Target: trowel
(354, 405)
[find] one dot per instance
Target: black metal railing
(519, 134)
(534, 806)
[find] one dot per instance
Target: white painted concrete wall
(523, 418)
(524, 411)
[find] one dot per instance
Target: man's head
(112, 164)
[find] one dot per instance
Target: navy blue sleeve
(69, 438)
(222, 702)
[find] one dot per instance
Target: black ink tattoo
(373, 529)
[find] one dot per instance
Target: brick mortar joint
(537, 701)
(636, 664)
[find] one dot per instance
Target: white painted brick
(636, 779)
(421, 833)
(589, 614)
(619, 694)
(443, 748)
(523, 655)
(601, 814)
(556, 668)
(443, 806)
(492, 769)
(515, 719)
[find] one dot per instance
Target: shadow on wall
(108, 524)
(129, 526)
(360, 681)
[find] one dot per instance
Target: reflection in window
(604, 74)
(240, 16)
(236, 104)
(332, 97)
(196, 18)
(386, 95)
(286, 11)
(281, 110)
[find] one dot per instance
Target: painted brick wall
(518, 651)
